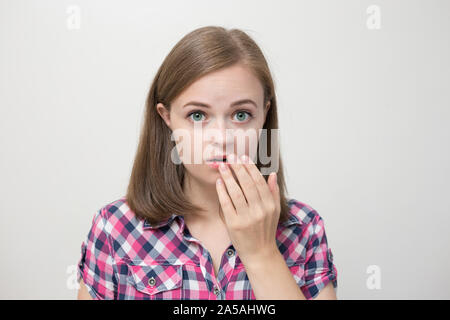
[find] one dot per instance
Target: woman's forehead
(223, 87)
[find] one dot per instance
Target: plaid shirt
(124, 257)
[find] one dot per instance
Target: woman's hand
(251, 210)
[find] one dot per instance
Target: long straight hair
(155, 189)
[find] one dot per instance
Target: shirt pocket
(154, 281)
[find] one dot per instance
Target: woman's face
(219, 114)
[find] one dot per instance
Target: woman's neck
(204, 196)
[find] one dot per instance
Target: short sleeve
(96, 266)
(319, 266)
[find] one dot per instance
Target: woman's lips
(215, 164)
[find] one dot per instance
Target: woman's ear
(164, 113)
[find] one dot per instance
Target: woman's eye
(241, 115)
(196, 116)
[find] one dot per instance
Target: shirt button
(216, 291)
(230, 252)
(152, 281)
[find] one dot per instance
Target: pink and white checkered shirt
(124, 257)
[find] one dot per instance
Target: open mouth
(214, 162)
(224, 159)
(218, 159)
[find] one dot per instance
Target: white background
(364, 117)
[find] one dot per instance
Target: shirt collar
(148, 225)
(293, 219)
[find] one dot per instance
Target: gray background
(364, 118)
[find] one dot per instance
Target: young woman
(219, 227)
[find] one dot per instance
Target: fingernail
(219, 181)
(222, 166)
(244, 158)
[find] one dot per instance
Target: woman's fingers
(260, 183)
(245, 180)
(233, 188)
(229, 212)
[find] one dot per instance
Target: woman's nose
(218, 132)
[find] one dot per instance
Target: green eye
(241, 115)
(197, 116)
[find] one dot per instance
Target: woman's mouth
(215, 162)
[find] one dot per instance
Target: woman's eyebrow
(234, 104)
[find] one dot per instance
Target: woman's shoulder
(118, 216)
(301, 213)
